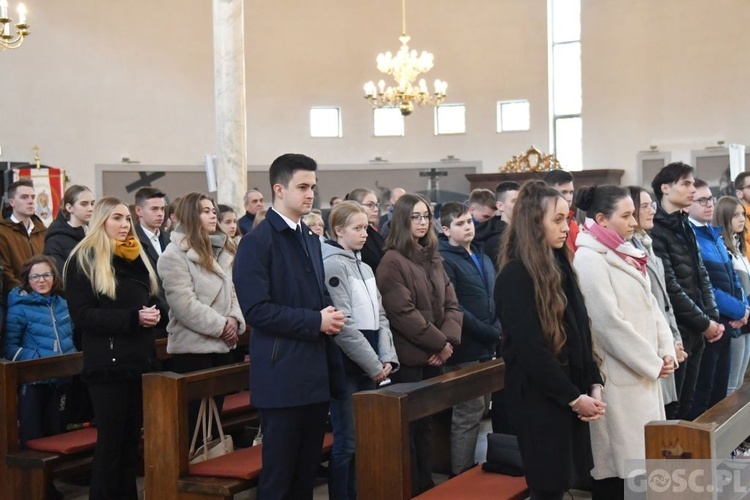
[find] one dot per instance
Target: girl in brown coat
(422, 309)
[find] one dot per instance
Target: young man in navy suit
(279, 278)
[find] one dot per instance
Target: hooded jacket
(60, 240)
(420, 302)
(16, 247)
(480, 332)
(351, 284)
(36, 326)
(199, 299)
(687, 280)
(489, 233)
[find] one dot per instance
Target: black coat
(60, 240)
(373, 251)
(554, 443)
(687, 281)
(490, 233)
(480, 331)
(115, 346)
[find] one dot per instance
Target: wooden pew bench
(713, 435)
(28, 473)
(167, 437)
(382, 420)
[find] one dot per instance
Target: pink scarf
(610, 239)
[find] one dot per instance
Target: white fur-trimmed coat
(631, 335)
(199, 299)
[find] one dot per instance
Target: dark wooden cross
(434, 174)
(145, 180)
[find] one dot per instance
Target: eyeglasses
(420, 218)
(371, 206)
(647, 206)
(39, 277)
(704, 202)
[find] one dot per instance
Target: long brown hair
(525, 242)
(189, 215)
(723, 215)
(399, 235)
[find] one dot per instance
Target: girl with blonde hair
(111, 291)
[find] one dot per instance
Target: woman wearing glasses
(423, 312)
(645, 209)
(38, 325)
(374, 248)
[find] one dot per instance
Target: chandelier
(405, 68)
(8, 41)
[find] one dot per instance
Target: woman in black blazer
(552, 382)
(111, 293)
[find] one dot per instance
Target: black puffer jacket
(115, 346)
(687, 281)
(60, 240)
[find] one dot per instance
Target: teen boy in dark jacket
(473, 278)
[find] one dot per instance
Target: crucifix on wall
(433, 185)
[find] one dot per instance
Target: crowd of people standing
(611, 307)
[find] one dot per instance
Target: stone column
(229, 84)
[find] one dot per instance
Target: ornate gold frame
(531, 161)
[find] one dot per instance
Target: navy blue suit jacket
(281, 292)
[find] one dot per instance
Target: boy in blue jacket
(713, 376)
(473, 277)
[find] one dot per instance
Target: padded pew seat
(479, 485)
(236, 403)
(66, 443)
(241, 464)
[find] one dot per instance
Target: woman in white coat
(205, 318)
(628, 329)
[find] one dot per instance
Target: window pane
(569, 142)
(513, 115)
(325, 122)
(450, 119)
(566, 20)
(567, 78)
(388, 122)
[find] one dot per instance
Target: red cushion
(241, 464)
(235, 403)
(480, 485)
(66, 443)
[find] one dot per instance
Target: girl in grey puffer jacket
(366, 339)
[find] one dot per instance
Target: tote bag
(211, 447)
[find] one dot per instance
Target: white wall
(673, 73)
(99, 79)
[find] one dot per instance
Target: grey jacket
(199, 299)
(352, 286)
(655, 269)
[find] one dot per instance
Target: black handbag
(503, 455)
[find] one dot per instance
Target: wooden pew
(26, 473)
(382, 434)
(715, 434)
(167, 437)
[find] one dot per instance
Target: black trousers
(686, 377)
(610, 488)
(292, 442)
(420, 432)
(118, 409)
(186, 363)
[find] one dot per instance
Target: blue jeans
(342, 482)
(740, 355)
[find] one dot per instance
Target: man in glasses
(713, 377)
(689, 288)
(742, 189)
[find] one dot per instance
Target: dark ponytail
(599, 199)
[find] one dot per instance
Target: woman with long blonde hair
(111, 292)
(552, 382)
